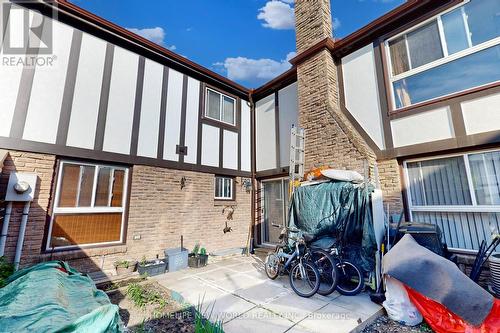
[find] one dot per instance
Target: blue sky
(248, 41)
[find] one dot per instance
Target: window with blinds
(220, 107)
(89, 205)
(460, 193)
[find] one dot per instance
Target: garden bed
(149, 307)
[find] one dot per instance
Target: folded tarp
(53, 297)
(323, 209)
(437, 279)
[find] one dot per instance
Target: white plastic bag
(398, 305)
(344, 175)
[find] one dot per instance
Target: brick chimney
(330, 137)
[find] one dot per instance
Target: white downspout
(22, 231)
(5, 227)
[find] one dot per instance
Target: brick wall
(159, 213)
(390, 184)
(44, 166)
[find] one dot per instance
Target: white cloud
(247, 69)
(336, 23)
(277, 15)
(156, 35)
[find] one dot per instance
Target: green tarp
(53, 297)
(321, 209)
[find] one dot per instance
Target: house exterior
(135, 146)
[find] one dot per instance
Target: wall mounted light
(183, 182)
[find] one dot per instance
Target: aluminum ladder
(297, 156)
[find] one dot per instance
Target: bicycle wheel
(272, 265)
(350, 280)
(304, 278)
(327, 271)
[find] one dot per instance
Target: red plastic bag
(441, 320)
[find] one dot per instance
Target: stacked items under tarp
(329, 206)
(447, 299)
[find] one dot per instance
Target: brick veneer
(159, 213)
(44, 166)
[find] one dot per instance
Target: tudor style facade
(135, 146)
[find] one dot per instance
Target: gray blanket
(438, 279)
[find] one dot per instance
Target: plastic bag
(442, 320)
(398, 305)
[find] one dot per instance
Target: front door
(275, 208)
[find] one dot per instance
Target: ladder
(297, 153)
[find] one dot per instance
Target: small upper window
(224, 188)
(220, 107)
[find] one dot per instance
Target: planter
(197, 261)
(152, 268)
(120, 270)
(177, 259)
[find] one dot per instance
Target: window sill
(78, 253)
(221, 202)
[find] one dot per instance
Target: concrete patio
(244, 298)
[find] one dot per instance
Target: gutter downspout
(251, 227)
(5, 227)
(22, 232)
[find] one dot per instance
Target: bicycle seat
(308, 237)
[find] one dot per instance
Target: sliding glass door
(274, 208)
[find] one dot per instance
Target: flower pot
(120, 270)
(152, 268)
(197, 260)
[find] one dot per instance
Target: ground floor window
(460, 193)
(89, 205)
(274, 205)
(224, 188)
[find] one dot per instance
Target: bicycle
(303, 274)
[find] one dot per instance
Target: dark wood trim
(69, 88)
(458, 121)
(137, 106)
(404, 190)
(238, 125)
(361, 131)
(427, 105)
(278, 83)
(382, 90)
(326, 43)
(219, 124)
(22, 102)
(100, 156)
(200, 124)
(182, 134)
(163, 113)
(277, 128)
(272, 173)
(103, 102)
(441, 146)
(221, 147)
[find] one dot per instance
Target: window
(220, 107)
(224, 188)
(455, 51)
(461, 194)
(89, 205)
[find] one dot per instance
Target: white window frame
(224, 178)
(221, 107)
(444, 60)
(473, 208)
(88, 210)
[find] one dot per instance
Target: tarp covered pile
(53, 297)
(322, 209)
(447, 299)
